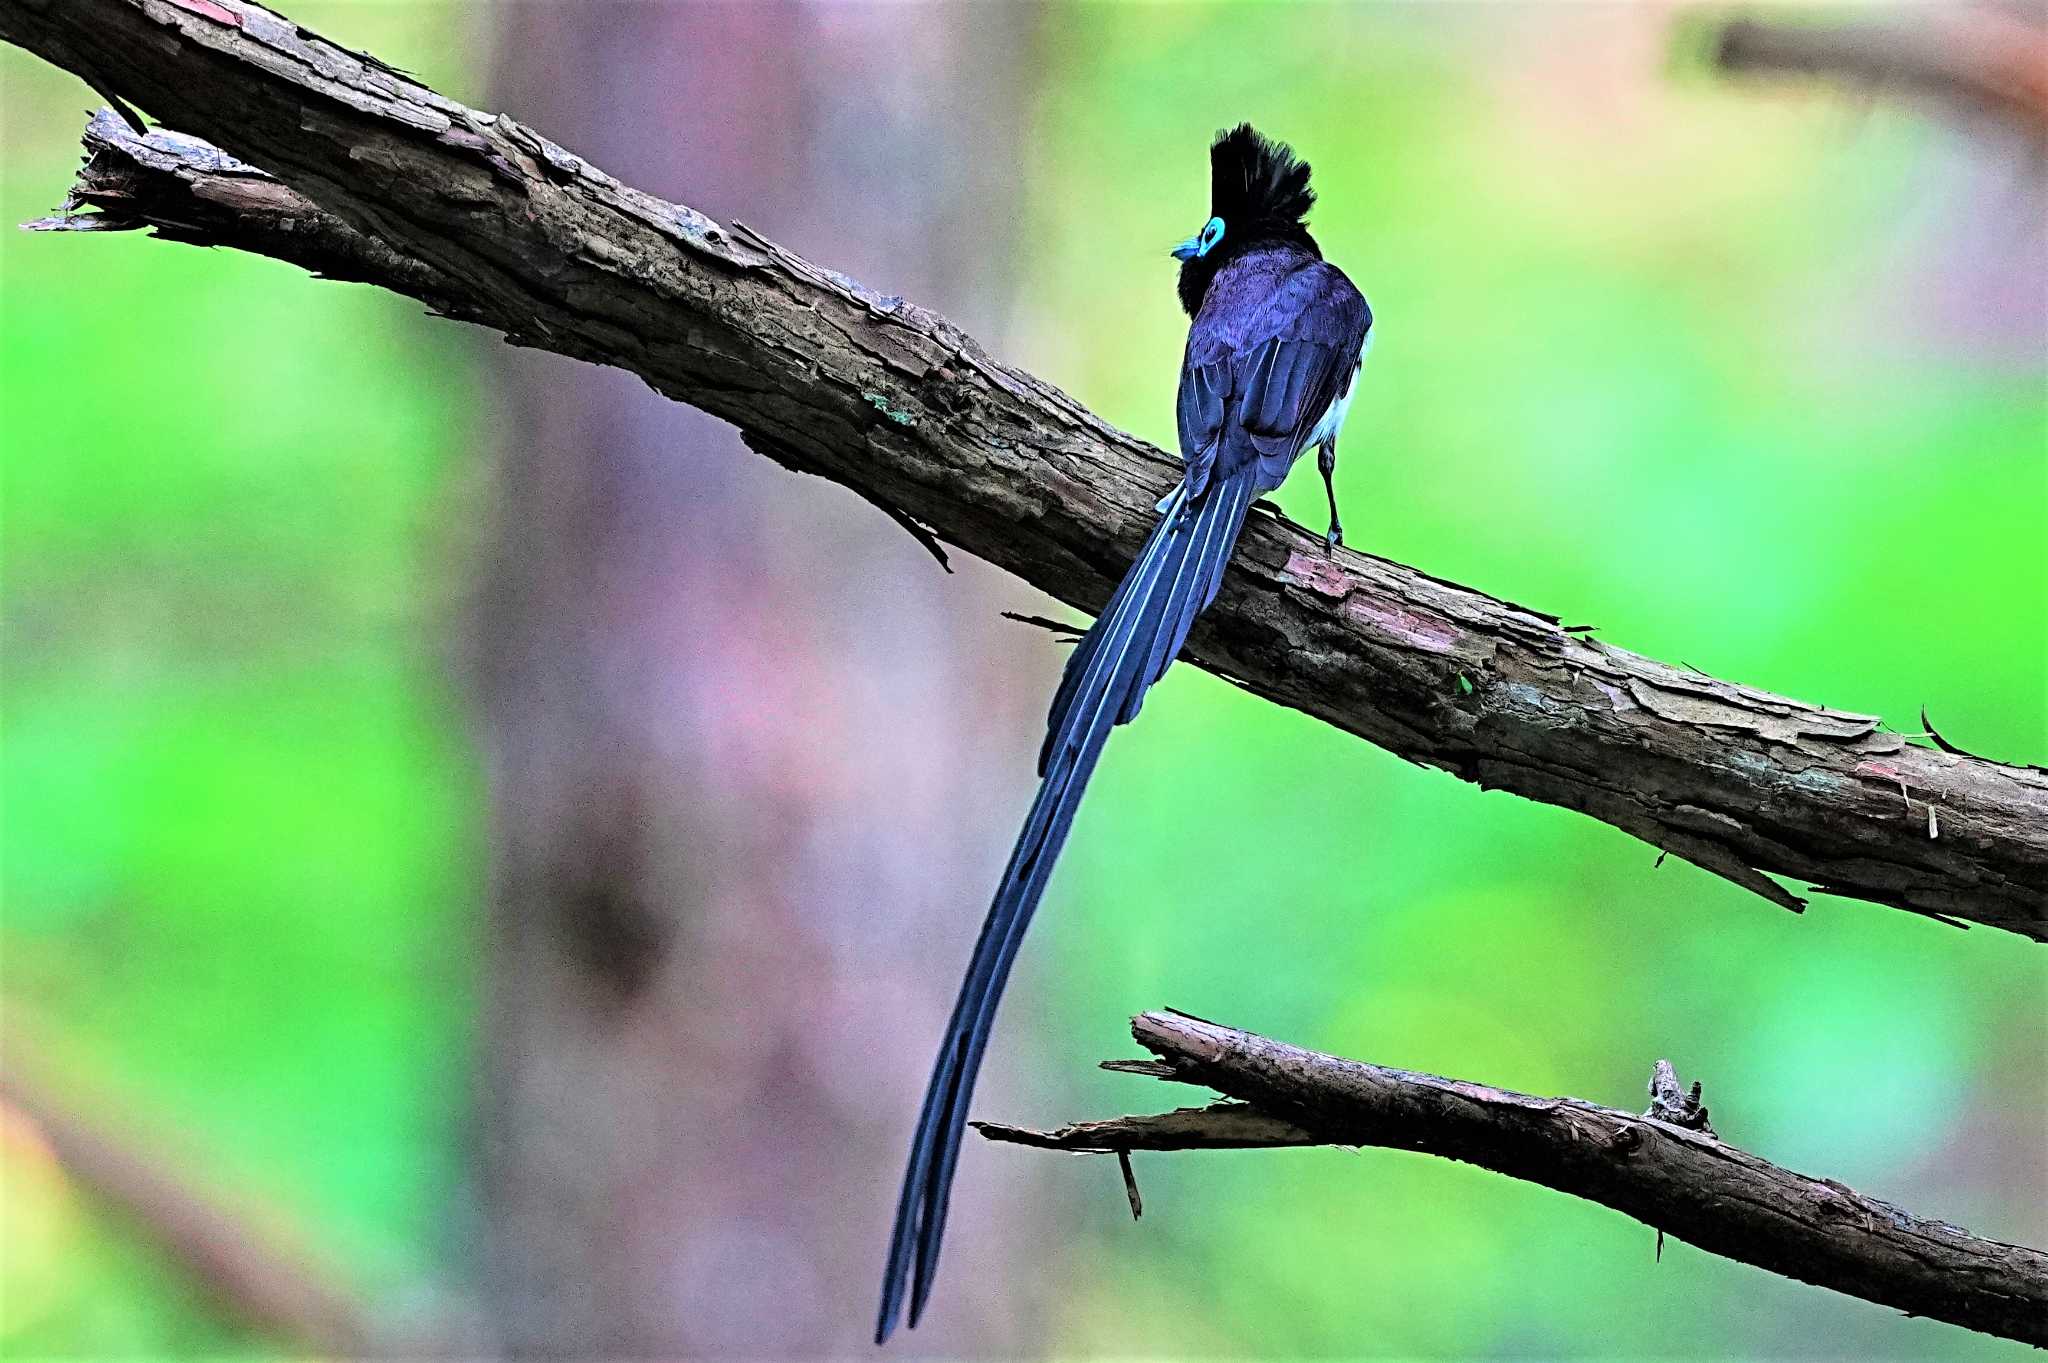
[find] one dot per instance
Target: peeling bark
(1665, 1167)
(485, 220)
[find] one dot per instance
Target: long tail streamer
(1137, 637)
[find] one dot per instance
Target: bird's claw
(1333, 539)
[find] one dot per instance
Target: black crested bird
(1274, 349)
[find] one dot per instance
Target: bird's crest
(1253, 179)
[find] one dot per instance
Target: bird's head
(1258, 195)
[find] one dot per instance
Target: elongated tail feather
(1081, 662)
(1136, 638)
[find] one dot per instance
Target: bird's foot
(1333, 539)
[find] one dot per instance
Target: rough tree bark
(497, 225)
(1666, 1168)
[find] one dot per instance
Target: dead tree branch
(379, 178)
(1976, 59)
(261, 1271)
(1666, 1168)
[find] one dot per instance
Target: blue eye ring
(1202, 242)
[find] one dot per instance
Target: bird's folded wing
(1262, 397)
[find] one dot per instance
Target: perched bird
(1274, 349)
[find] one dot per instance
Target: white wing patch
(1333, 419)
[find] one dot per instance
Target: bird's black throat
(1196, 274)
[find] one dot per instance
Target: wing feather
(1253, 388)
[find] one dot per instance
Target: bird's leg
(1326, 460)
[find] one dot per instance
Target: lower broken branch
(1666, 1168)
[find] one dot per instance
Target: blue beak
(1188, 249)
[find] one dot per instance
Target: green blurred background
(1751, 378)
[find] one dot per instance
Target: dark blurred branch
(260, 1273)
(1978, 59)
(485, 220)
(1665, 1168)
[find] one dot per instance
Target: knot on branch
(1675, 1105)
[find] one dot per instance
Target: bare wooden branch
(1979, 59)
(1672, 1174)
(262, 1272)
(484, 219)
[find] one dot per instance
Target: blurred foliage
(1721, 373)
(241, 807)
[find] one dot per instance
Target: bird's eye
(1212, 233)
